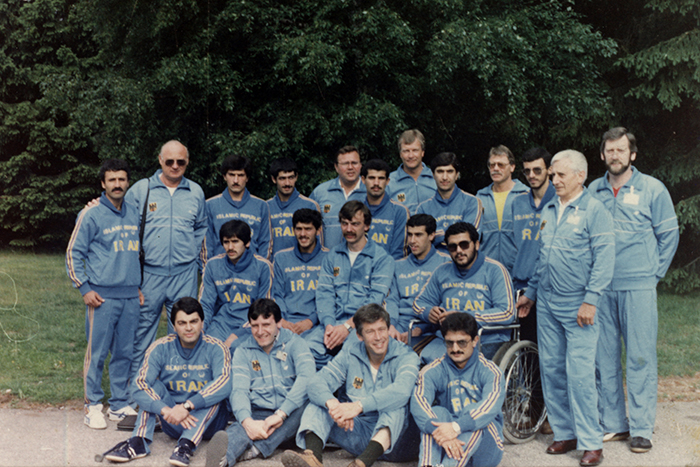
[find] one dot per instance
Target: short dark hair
(235, 228)
(187, 304)
(532, 154)
(368, 314)
(460, 228)
(114, 165)
(264, 307)
(235, 162)
(502, 150)
(346, 150)
(409, 136)
(307, 216)
(284, 164)
(427, 220)
(350, 208)
(460, 321)
(444, 159)
(616, 133)
(376, 164)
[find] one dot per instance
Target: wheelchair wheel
(523, 409)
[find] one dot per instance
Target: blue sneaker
(182, 453)
(132, 448)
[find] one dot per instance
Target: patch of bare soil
(679, 388)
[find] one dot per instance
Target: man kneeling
(270, 373)
(183, 379)
(457, 402)
(378, 374)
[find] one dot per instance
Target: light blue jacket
(251, 209)
(343, 288)
(330, 198)
(495, 243)
(396, 377)
(281, 219)
(404, 189)
(296, 281)
(459, 207)
(103, 251)
(526, 227)
(388, 227)
(175, 225)
(575, 264)
(474, 395)
(277, 380)
(646, 229)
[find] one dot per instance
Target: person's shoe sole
(293, 459)
(216, 449)
(616, 436)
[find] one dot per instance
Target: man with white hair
(573, 270)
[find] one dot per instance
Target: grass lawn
(42, 335)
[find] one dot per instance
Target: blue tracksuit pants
(158, 291)
(633, 315)
(109, 327)
(482, 448)
(567, 365)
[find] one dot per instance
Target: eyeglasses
(536, 171)
(463, 245)
(171, 162)
(500, 165)
(462, 344)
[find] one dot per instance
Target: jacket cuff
(85, 288)
(591, 298)
(198, 401)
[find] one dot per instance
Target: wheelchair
(524, 411)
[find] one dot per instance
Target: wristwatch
(189, 406)
(281, 414)
(348, 327)
(455, 426)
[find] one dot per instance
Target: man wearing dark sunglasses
(472, 283)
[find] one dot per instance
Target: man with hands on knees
(457, 401)
(271, 370)
(183, 379)
(371, 420)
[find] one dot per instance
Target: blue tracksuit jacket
(485, 291)
(343, 288)
(410, 276)
(281, 219)
(201, 375)
(175, 225)
(574, 265)
(228, 289)
(295, 282)
(460, 206)
(252, 210)
(404, 189)
(331, 197)
(495, 243)
(646, 229)
(388, 227)
(103, 251)
(526, 227)
(277, 380)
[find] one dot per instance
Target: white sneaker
(121, 414)
(94, 418)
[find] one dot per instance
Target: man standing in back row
(646, 238)
(412, 183)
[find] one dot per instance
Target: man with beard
(472, 283)
(646, 238)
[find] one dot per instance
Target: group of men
(333, 283)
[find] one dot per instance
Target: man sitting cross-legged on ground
(458, 399)
(183, 379)
(377, 374)
(270, 373)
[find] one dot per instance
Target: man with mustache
(285, 203)
(497, 239)
(389, 218)
(413, 182)
(236, 202)
(646, 238)
(102, 260)
(457, 401)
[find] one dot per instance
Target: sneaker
(132, 448)
(181, 454)
(300, 459)
(616, 436)
(216, 450)
(94, 418)
(251, 453)
(640, 445)
(121, 414)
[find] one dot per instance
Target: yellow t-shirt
(500, 199)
